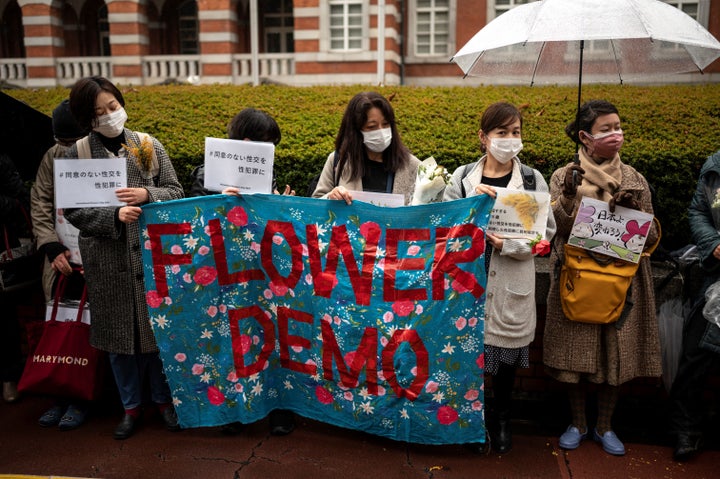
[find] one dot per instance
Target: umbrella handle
(575, 176)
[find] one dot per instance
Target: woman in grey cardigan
(111, 248)
(510, 314)
(369, 154)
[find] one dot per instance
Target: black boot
(686, 447)
(503, 383)
(503, 441)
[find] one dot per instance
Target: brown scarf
(600, 181)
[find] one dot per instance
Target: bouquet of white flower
(431, 182)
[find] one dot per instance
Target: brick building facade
(295, 42)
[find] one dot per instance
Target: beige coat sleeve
(42, 201)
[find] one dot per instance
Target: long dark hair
(349, 144)
(586, 116)
(83, 95)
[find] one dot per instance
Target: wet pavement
(319, 451)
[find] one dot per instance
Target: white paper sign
(392, 200)
(621, 234)
(519, 214)
(68, 236)
(89, 183)
(246, 165)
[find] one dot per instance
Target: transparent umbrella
(553, 41)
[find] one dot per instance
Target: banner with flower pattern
(360, 316)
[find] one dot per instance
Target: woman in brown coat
(580, 353)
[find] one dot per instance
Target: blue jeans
(130, 371)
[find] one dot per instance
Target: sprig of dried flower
(143, 153)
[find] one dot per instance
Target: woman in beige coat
(607, 355)
(370, 154)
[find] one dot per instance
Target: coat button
(489, 295)
(492, 273)
(136, 247)
(139, 276)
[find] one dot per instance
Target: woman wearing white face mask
(510, 315)
(611, 354)
(369, 155)
(111, 249)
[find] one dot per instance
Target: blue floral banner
(360, 316)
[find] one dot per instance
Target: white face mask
(377, 140)
(112, 124)
(505, 149)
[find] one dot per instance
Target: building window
(697, 9)
(432, 27)
(11, 32)
(278, 26)
(103, 31)
(502, 6)
(346, 25)
(188, 28)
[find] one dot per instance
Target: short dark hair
(255, 125)
(83, 95)
(349, 145)
(498, 115)
(586, 116)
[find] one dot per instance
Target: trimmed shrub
(669, 130)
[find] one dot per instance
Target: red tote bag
(64, 363)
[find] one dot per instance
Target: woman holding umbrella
(606, 355)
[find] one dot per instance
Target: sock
(607, 399)
(134, 412)
(577, 407)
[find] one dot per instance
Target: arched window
(188, 28)
(94, 29)
(71, 31)
(181, 35)
(11, 32)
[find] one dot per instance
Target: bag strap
(83, 147)
(59, 293)
(83, 303)
(466, 172)
(528, 177)
(6, 236)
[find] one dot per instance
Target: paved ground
(319, 451)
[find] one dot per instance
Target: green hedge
(669, 130)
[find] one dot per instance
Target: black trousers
(686, 394)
